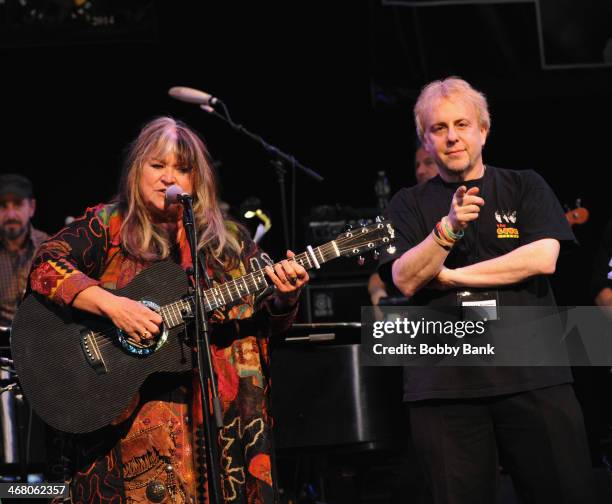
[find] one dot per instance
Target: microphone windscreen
(189, 95)
(172, 194)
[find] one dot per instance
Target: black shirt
(519, 208)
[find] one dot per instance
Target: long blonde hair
(140, 237)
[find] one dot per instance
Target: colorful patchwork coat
(153, 452)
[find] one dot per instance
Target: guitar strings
(323, 249)
(105, 338)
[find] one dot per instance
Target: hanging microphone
(175, 194)
(191, 95)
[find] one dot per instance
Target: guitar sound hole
(148, 343)
(148, 346)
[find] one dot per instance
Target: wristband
(449, 231)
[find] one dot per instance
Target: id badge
(481, 305)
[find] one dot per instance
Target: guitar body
(60, 383)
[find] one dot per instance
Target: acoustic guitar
(79, 372)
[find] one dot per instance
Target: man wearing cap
(18, 241)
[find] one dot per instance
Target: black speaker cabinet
(322, 396)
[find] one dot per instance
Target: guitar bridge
(90, 348)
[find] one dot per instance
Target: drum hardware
(15, 419)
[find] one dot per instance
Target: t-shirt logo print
(506, 224)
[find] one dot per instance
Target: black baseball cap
(13, 183)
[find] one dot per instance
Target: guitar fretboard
(175, 313)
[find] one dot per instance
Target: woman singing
(149, 454)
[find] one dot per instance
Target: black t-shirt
(602, 265)
(519, 208)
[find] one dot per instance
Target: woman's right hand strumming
(135, 319)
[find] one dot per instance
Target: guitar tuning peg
(391, 249)
(362, 222)
(347, 228)
(379, 218)
(361, 260)
(376, 254)
(578, 202)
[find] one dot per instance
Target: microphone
(191, 95)
(175, 194)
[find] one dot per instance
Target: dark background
(294, 73)
(331, 82)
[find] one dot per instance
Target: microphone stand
(205, 368)
(279, 160)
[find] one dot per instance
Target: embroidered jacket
(154, 455)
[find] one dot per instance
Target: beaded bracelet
(442, 233)
(449, 231)
(440, 242)
(443, 242)
(443, 236)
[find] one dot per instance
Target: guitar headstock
(577, 216)
(366, 238)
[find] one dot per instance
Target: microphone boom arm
(271, 149)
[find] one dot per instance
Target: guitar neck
(228, 292)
